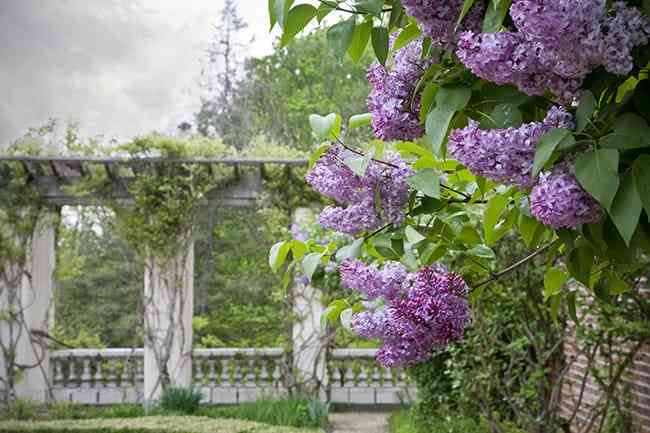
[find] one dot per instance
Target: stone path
(359, 422)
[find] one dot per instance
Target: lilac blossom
(423, 312)
(504, 155)
(391, 102)
(559, 201)
(379, 197)
(557, 44)
(438, 18)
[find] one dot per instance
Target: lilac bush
(438, 18)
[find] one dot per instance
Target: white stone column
(168, 310)
(309, 337)
(37, 300)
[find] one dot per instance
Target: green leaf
(495, 14)
(334, 310)
(339, 36)
(278, 11)
(360, 41)
(427, 98)
(351, 251)
(585, 111)
(581, 260)
(316, 154)
(297, 19)
(630, 132)
(530, 230)
(505, 115)
(278, 255)
(571, 305)
(469, 236)
(324, 10)
(641, 174)
(426, 181)
(495, 208)
(298, 249)
(626, 209)
(359, 120)
(396, 14)
(372, 6)
(437, 126)
(482, 251)
(325, 127)
(359, 164)
(413, 236)
(455, 97)
(310, 262)
(410, 33)
(546, 146)
(597, 172)
(380, 43)
(346, 318)
(554, 280)
(467, 5)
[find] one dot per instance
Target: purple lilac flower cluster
(438, 18)
(557, 44)
(504, 155)
(559, 201)
(333, 178)
(423, 312)
(391, 102)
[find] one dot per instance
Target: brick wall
(636, 379)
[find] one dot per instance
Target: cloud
(120, 67)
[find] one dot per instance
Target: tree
(223, 108)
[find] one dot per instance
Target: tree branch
(515, 265)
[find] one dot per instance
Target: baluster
(376, 375)
(264, 378)
(251, 377)
(225, 372)
(198, 372)
(387, 377)
(276, 373)
(362, 379)
(212, 375)
(58, 373)
(125, 378)
(139, 376)
(349, 373)
(98, 379)
(237, 371)
(73, 380)
(111, 380)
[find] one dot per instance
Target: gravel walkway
(359, 422)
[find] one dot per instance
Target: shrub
(293, 411)
(182, 400)
(403, 422)
(22, 409)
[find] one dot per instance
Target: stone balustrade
(224, 376)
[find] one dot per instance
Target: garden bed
(157, 424)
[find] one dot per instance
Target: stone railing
(224, 376)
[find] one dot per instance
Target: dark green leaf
(597, 172)
(396, 14)
(324, 10)
(641, 173)
(495, 14)
(380, 43)
(339, 36)
(504, 116)
(467, 5)
(581, 260)
(585, 110)
(554, 280)
(546, 146)
(360, 41)
(427, 98)
(297, 19)
(626, 209)
(426, 181)
(437, 125)
(482, 251)
(491, 217)
(571, 304)
(455, 97)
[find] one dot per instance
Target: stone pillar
(309, 337)
(37, 300)
(168, 310)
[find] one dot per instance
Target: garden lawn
(157, 424)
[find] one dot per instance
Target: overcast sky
(119, 67)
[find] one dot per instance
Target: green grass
(151, 424)
(402, 422)
(289, 411)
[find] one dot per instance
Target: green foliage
(296, 411)
(22, 409)
(445, 422)
(180, 400)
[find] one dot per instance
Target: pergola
(52, 175)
